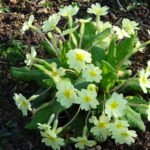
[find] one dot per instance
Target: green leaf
(89, 30)
(134, 118)
(109, 75)
(56, 60)
(98, 54)
(14, 54)
(124, 50)
(80, 83)
(140, 104)
(49, 82)
(89, 34)
(133, 85)
(90, 38)
(108, 81)
(64, 51)
(112, 52)
(42, 116)
(3, 10)
(106, 67)
(102, 35)
(47, 48)
(119, 53)
(26, 74)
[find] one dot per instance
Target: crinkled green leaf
(140, 104)
(134, 118)
(14, 54)
(108, 81)
(123, 51)
(106, 67)
(98, 54)
(102, 35)
(112, 52)
(133, 85)
(89, 34)
(109, 75)
(26, 74)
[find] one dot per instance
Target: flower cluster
(67, 95)
(109, 123)
(89, 71)
(117, 129)
(116, 105)
(50, 133)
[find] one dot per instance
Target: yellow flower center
(87, 98)
(24, 104)
(68, 93)
(80, 56)
(83, 142)
(144, 80)
(91, 88)
(50, 138)
(119, 125)
(98, 11)
(93, 73)
(148, 68)
(102, 124)
(54, 73)
(114, 105)
(124, 134)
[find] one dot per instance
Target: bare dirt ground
(13, 136)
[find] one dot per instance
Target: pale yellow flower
(92, 73)
(78, 58)
(115, 106)
(56, 73)
(125, 136)
(51, 23)
(66, 94)
(68, 11)
(83, 142)
(22, 103)
(144, 81)
(97, 10)
(101, 127)
(129, 26)
(87, 99)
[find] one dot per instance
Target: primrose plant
(87, 91)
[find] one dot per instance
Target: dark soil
(13, 136)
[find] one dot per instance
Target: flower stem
(70, 22)
(86, 120)
(81, 34)
(72, 118)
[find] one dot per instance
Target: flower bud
(55, 124)
(51, 119)
(85, 129)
